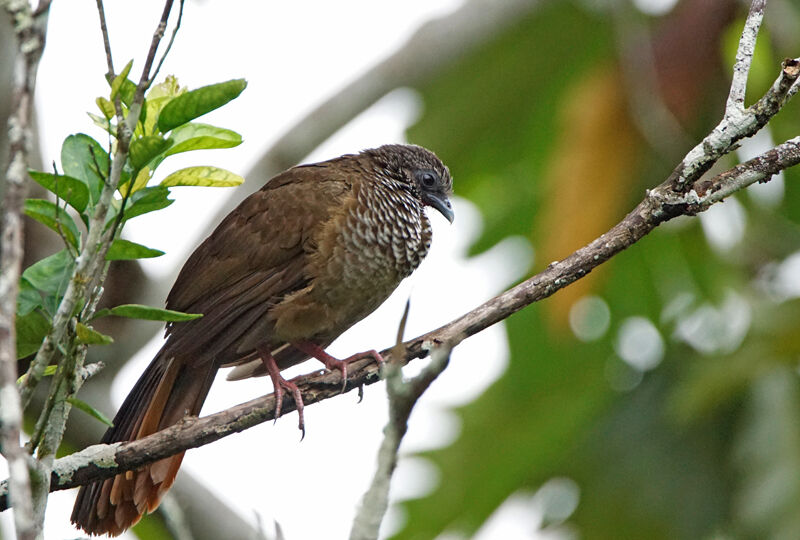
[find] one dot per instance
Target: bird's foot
(332, 363)
(279, 384)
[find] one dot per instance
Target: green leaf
(31, 330)
(127, 90)
(144, 149)
(193, 136)
(28, 298)
(54, 217)
(50, 275)
(116, 84)
(80, 157)
(138, 311)
(147, 200)
(157, 98)
(107, 108)
(90, 336)
(49, 371)
(190, 105)
(66, 188)
(202, 176)
(124, 250)
(91, 411)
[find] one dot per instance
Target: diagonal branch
(661, 204)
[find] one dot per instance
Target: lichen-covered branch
(403, 396)
(30, 29)
(744, 57)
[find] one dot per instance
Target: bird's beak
(440, 202)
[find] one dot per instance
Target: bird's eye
(428, 179)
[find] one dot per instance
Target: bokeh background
(657, 398)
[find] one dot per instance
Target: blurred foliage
(703, 441)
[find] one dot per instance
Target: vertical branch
(744, 57)
(403, 395)
(30, 29)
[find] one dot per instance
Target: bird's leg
(332, 363)
(279, 383)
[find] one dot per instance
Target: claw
(332, 363)
(279, 383)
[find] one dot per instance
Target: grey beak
(440, 202)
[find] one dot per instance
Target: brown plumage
(297, 263)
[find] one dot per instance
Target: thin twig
(744, 57)
(169, 45)
(106, 41)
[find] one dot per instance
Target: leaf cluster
(166, 127)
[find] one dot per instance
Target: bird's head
(418, 171)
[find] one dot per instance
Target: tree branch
(30, 29)
(744, 57)
(735, 126)
(661, 204)
(403, 396)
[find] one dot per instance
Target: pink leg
(279, 383)
(332, 363)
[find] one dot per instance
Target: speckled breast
(385, 236)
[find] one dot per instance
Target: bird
(315, 250)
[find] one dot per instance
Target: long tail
(167, 391)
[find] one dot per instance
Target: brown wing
(256, 256)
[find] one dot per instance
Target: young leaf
(90, 336)
(101, 122)
(147, 200)
(124, 250)
(202, 176)
(31, 329)
(80, 157)
(116, 84)
(190, 105)
(190, 137)
(137, 311)
(91, 411)
(68, 189)
(144, 149)
(159, 95)
(106, 107)
(142, 177)
(56, 218)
